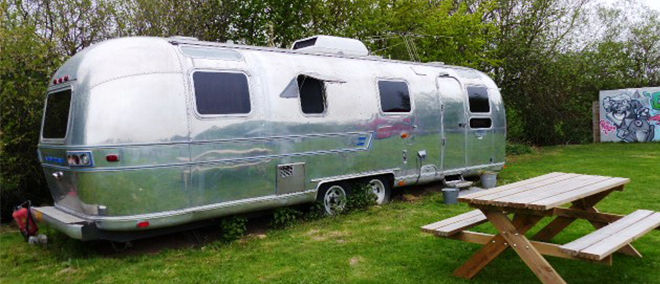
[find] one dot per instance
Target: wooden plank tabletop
(544, 192)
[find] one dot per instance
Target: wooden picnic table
(533, 199)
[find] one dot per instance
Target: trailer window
(57, 114)
(312, 95)
(221, 93)
(477, 123)
(394, 96)
(478, 97)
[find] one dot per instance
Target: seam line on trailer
(205, 163)
(214, 141)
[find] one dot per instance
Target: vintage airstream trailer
(143, 134)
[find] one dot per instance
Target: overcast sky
(655, 4)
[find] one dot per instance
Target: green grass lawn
(380, 245)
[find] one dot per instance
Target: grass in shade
(382, 244)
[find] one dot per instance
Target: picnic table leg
(557, 225)
(521, 245)
(587, 204)
(553, 228)
(494, 248)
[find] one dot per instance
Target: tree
(26, 64)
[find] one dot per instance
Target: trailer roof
(192, 41)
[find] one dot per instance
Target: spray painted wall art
(630, 115)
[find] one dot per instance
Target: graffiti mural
(630, 115)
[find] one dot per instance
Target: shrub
(361, 198)
(26, 65)
(315, 211)
(283, 217)
(518, 149)
(233, 228)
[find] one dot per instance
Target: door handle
(460, 124)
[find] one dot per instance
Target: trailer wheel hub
(334, 200)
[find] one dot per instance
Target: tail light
(61, 80)
(112, 158)
(80, 159)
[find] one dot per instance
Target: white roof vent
(183, 38)
(331, 44)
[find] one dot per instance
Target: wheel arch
(388, 175)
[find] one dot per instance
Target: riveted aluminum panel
(290, 178)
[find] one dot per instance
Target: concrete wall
(630, 115)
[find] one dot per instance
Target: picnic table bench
(533, 199)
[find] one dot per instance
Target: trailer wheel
(381, 189)
(334, 198)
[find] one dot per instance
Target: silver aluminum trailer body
(156, 160)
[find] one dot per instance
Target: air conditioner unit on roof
(331, 44)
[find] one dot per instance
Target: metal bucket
(450, 195)
(488, 180)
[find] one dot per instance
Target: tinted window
(394, 96)
(478, 99)
(480, 122)
(221, 93)
(312, 95)
(57, 114)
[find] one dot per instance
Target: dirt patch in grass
(65, 271)
(319, 236)
(257, 228)
(355, 260)
(411, 198)
(187, 239)
(415, 194)
(9, 227)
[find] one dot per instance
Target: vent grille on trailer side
(286, 171)
(290, 178)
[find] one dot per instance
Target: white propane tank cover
(331, 44)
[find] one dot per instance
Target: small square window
(394, 96)
(478, 97)
(312, 95)
(221, 93)
(56, 118)
(480, 123)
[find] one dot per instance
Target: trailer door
(479, 128)
(454, 119)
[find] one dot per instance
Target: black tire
(382, 188)
(333, 197)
